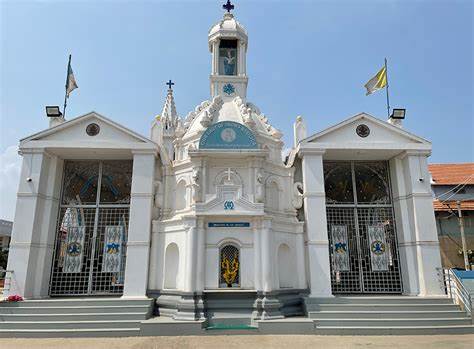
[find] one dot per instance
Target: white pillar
(424, 237)
(406, 252)
(267, 256)
(34, 226)
(190, 266)
(139, 228)
(257, 255)
(201, 255)
(316, 224)
(300, 259)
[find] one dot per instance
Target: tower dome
(227, 28)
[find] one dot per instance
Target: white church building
(205, 220)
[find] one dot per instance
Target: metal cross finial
(170, 84)
(228, 6)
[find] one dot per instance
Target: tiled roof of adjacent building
(452, 174)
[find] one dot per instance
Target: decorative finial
(170, 84)
(228, 6)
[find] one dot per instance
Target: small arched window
(229, 266)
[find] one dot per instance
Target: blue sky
(307, 58)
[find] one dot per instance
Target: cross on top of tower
(228, 6)
(170, 84)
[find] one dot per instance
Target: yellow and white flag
(378, 82)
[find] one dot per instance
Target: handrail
(456, 290)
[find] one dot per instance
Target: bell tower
(228, 46)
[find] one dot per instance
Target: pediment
(381, 133)
(74, 131)
(229, 201)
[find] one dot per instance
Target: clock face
(228, 89)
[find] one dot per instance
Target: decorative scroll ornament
(196, 188)
(297, 195)
(230, 269)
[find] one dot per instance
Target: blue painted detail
(228, 135)
(228, 224)
(228, 205)
(228, 89)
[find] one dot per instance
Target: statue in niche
(196, 188)
(229, 62)
(297, 200)
(259, 187)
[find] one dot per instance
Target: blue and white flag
(71, 83)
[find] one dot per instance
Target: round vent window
(92, 129)
(363, 130)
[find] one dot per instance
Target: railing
(456, 291)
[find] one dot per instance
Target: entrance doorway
(90, 248)
(362, 236)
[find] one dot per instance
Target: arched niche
(180, 200)
(229, 265)
(272, 194)
(171, 266)
(285, 266)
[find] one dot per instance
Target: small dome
(228, 27)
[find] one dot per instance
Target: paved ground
(247, 342)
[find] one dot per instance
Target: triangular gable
(381, 132)
(75, 130)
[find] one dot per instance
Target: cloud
(10, 165)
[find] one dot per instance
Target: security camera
(29, 179)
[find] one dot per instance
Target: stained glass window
(116, 182)
(372, 183)
(338, 182)
(80, 182)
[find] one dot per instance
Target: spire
(169, 116)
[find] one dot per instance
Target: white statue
(259, 188)
(299, 131)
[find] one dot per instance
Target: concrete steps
(387, 315)
(82, 317)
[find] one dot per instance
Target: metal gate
(362, 236)
(90, 248)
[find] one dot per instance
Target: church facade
(206, 218)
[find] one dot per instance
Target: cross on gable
(228, 6)
(170, 84)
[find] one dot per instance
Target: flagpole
(386, 89)
(65, 93)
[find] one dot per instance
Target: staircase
(376, 315)
(74, 317)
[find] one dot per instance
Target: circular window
(92, 129)
(363, 130)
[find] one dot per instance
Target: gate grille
(346, 184)
(80, 248)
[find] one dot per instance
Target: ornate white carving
(297, 200)
(259, 188)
